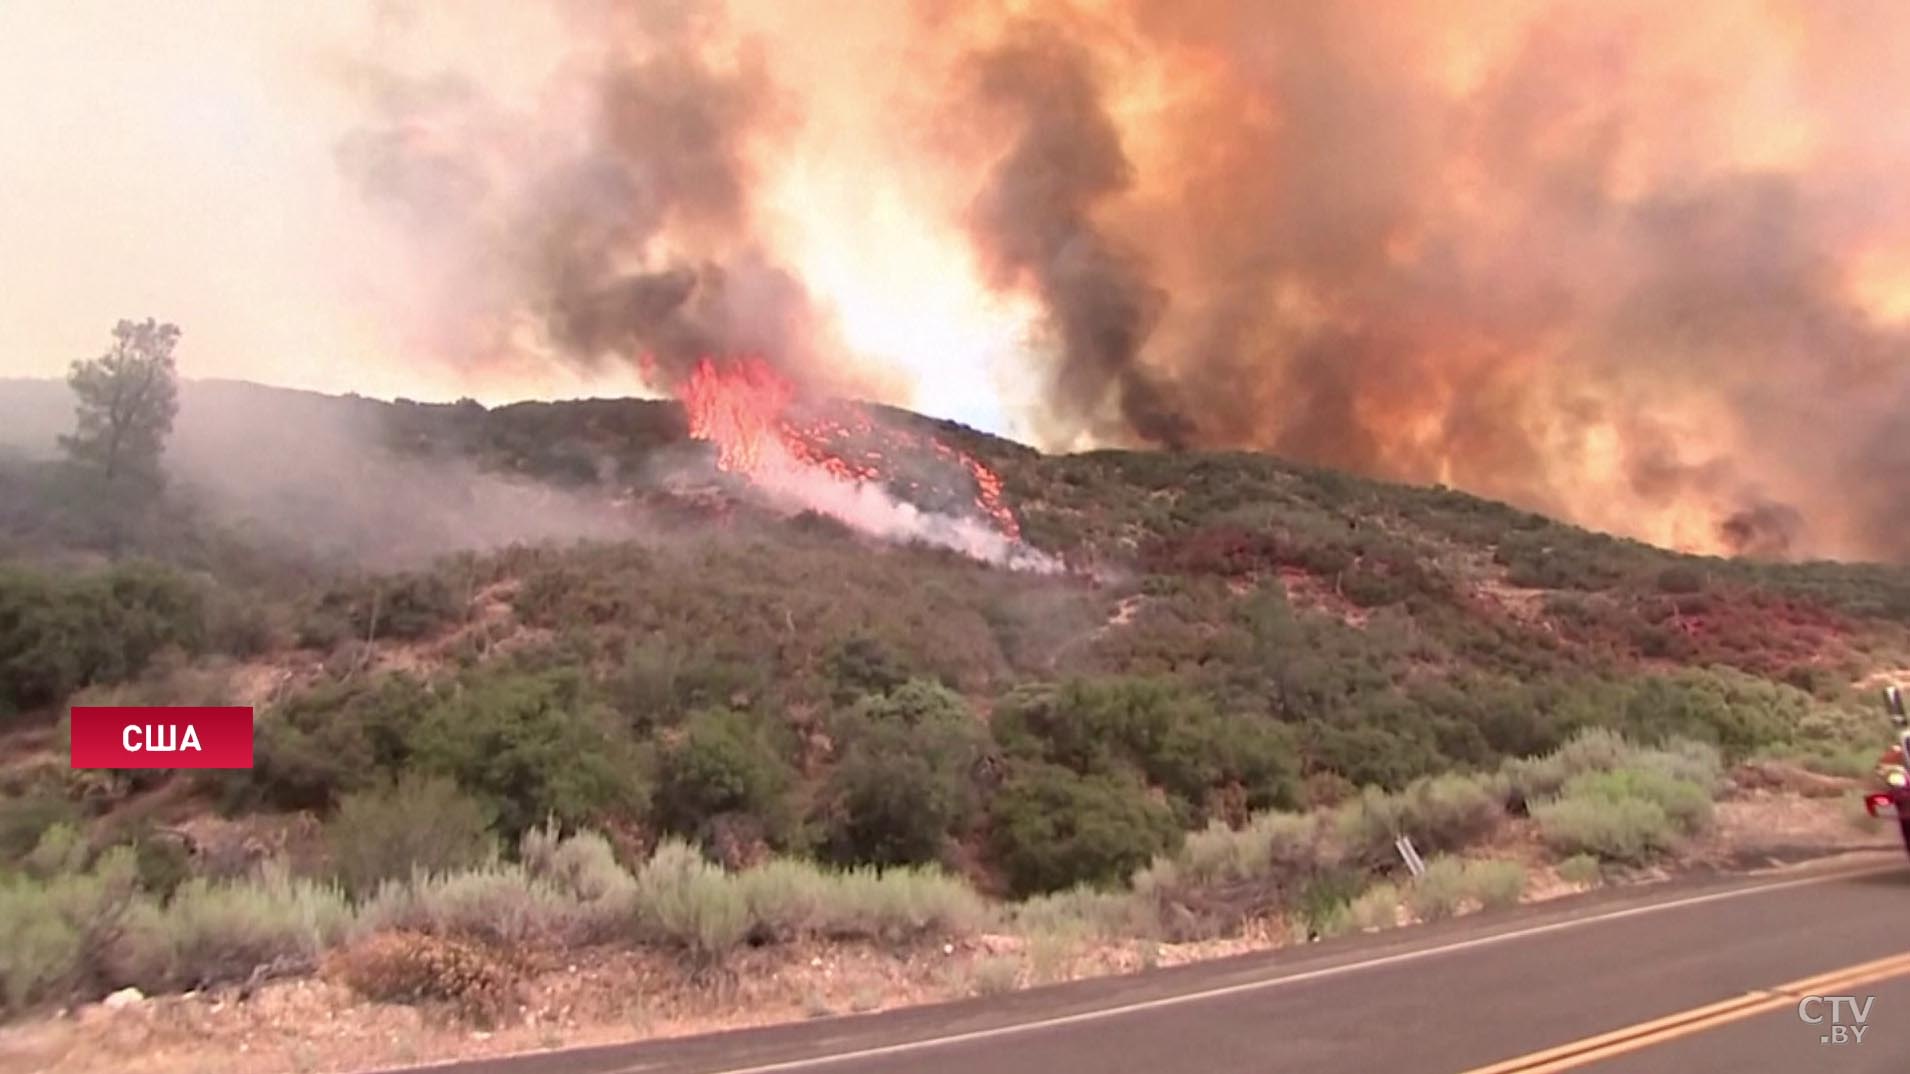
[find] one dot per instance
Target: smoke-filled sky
(1645, 266)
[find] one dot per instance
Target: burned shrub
(417, 968)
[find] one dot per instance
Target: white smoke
(869, 508)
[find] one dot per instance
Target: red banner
(162, 736)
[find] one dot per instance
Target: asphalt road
(1692, 976)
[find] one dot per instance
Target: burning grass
(836, 459)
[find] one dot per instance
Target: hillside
(1390, 631)
(563, 612)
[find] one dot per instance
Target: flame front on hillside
(839, 461)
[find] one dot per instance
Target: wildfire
(840, 460)
(740, 410)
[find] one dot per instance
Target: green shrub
(1727, 709)
(1290, 841)
(24, 820)
(1270, 843)
(1581, 870)
(1697, 763)
(528, 744)
(1440, 814)
(1495, 883)
(1592, 749)
(725, 763)
(170, 679)
(336, 738)
(902, 782)
(1368, 825)
(497, 903)
(903, 902)
(861, 665)
(1156, 881)
(59, 633)
(399, 606)
(686, 900)
(419, 822)
(41, 950)
(532, 745)
(1600, 750)
(1379, 740)
(582, 865)
(163, 861)
(1685, 804)
(1338, 922)
(1219, 854)
(1375, 908)
(1323, 906)
(664, 677)
(788, 898)
(1153, 729)
(1087, 913)
(1052, 829)
(60, 851)
(1595, 749)
(1451, 812)
(888, 806)
(1438, 892)
(214, 932)
(239, 625)
(1516, 715)
(1632, 830)
(54, 932)
(1829, 759)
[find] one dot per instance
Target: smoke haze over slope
(318, 475)
(1636, 266)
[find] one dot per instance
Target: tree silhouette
(127, 399)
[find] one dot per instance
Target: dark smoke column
(620, 229)
(1034, 224)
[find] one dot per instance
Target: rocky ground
(313, 1025)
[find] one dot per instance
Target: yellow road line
(1672, 1026)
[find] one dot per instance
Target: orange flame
(743, 407)
(739, 409)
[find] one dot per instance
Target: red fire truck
(1892, 799)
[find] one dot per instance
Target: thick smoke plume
(1632, 264)
(610, 217)
(1606, 260)
(1035, 218)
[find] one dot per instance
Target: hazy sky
(172, 160)
(176, 159)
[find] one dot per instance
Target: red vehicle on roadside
(1893, 770)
